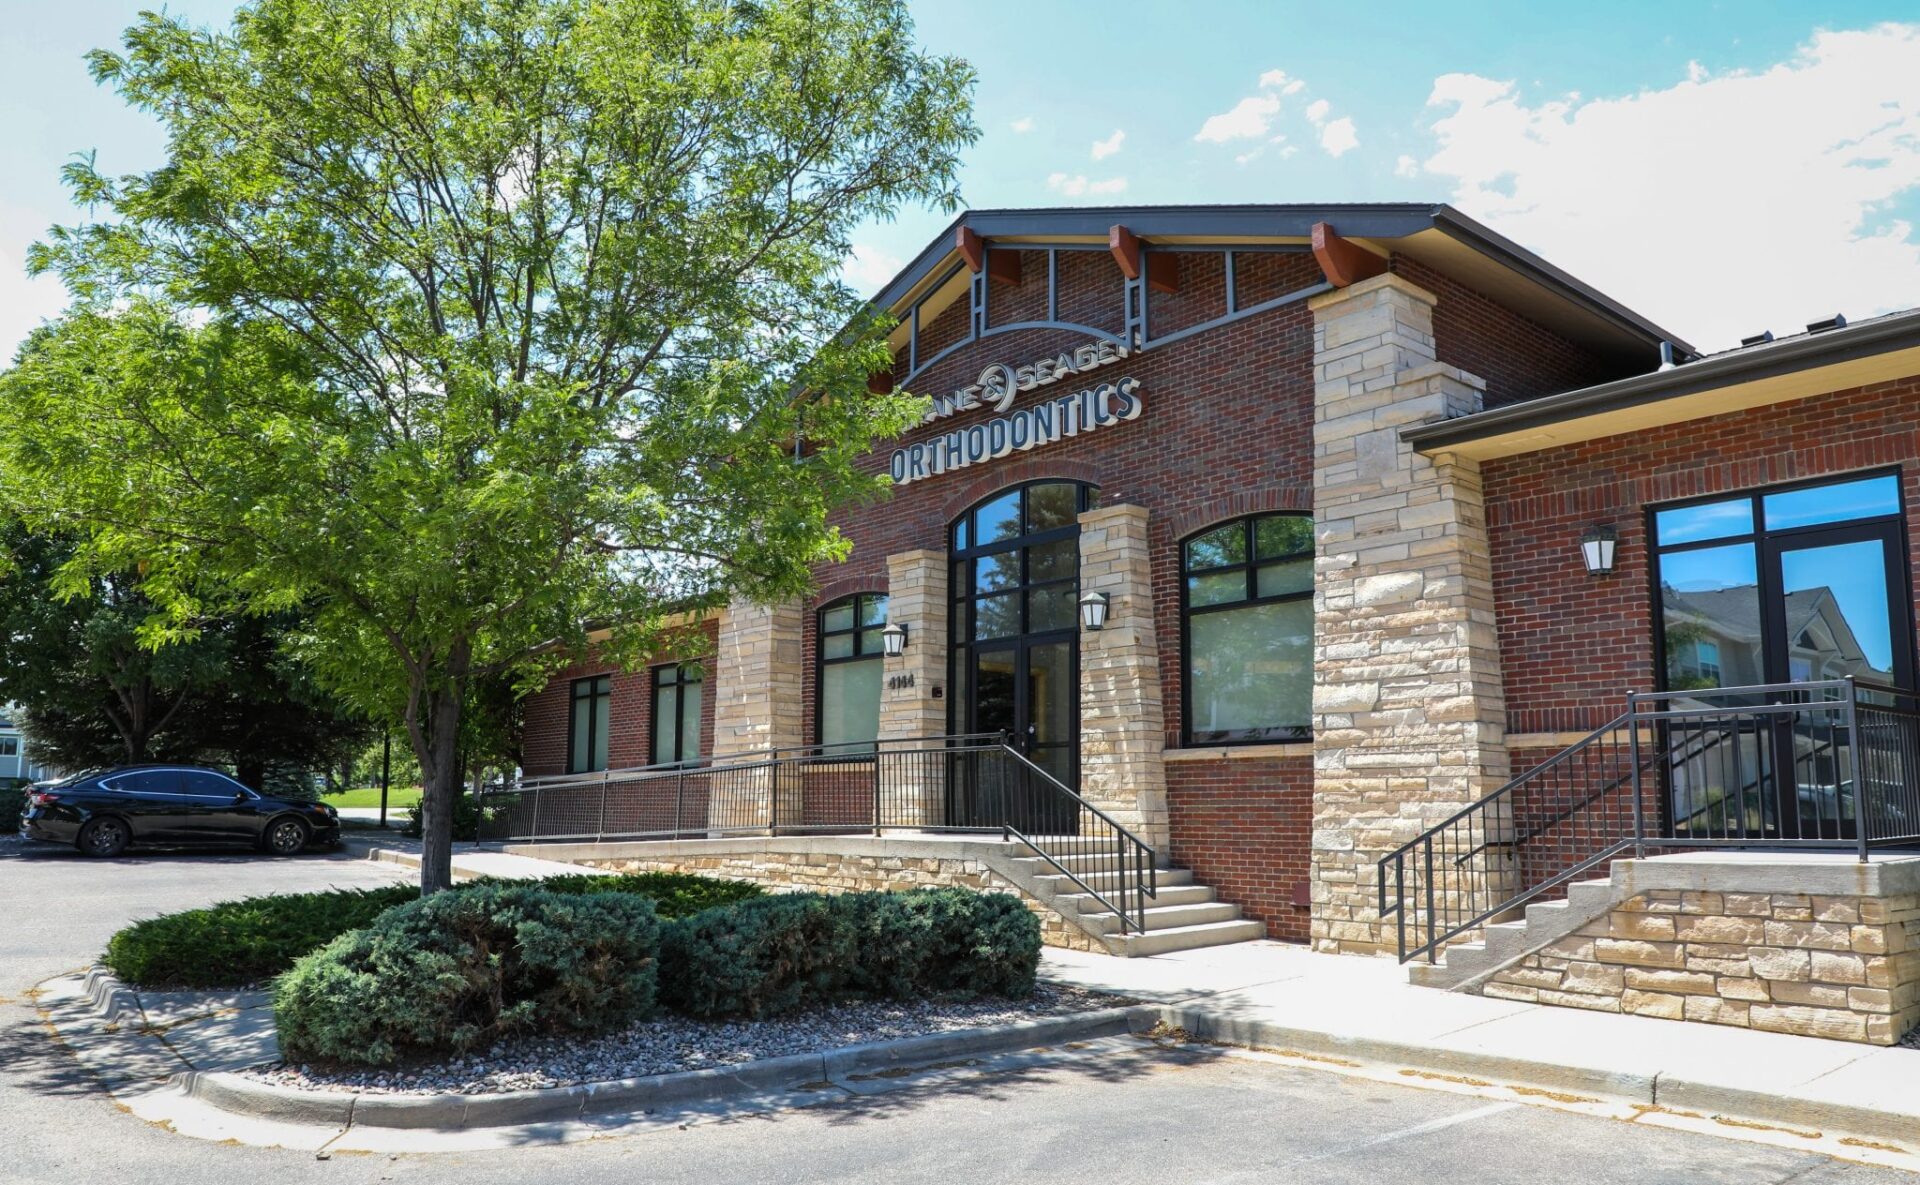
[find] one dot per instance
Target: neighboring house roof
(1434, 234)
(1879, 349)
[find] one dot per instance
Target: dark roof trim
(1882, 335)
(1353, 220)
(1454, 224)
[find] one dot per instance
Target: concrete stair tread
(1174, 938)
(1168, 917)
(1079, 902)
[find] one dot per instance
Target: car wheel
(104, 838)
(286, 837)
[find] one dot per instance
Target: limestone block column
(911, 719)
(1409, 711)
(1122, 729)
(757, 706)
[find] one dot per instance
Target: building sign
(1044, 423)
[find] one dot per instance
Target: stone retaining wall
(1846, 967)
(843, 872)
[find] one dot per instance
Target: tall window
(587, 726)
(1247, 617)
(9, 746)
(676, 713)
(850, 669)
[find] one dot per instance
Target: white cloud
(1023, 125)
(1077, 185)
(1248, 118)
(1274, 80)
(1775, 189)
(1317, 111)
(869, 268)
(1338, 137)
(1288, 151)
(1102, 149)
(1244, 157)
(1406, 166)
(1293, 88)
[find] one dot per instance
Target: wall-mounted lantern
(893, 640)
(1093, 610)
(1596, 549)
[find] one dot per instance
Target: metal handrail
(841, 787)
(1816, 745)
(1146, 878)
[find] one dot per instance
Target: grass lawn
(399, 798)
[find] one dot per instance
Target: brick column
(1122, 730)
(1409, 712)
(917, 599)
(757, 703)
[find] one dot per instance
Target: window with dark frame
(849, 653)
(676, 713)
(588, 718)
(1246, 621)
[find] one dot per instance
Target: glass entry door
(1795, 585)
(1016, 569)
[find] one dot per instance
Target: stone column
(757, 705)
(1122, 729)
(909, 712)
(1409, 711)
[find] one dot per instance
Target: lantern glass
(893, 640)
(1597, 549)
(1093, 610)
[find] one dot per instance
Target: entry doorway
(1790, 585)
(1015, 653)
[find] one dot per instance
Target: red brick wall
(630, 712)
(1519, 358)
(1573, 645)
(1238, 399)
(1244, 826)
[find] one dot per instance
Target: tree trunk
(436, 746)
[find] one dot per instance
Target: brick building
(1381, 519)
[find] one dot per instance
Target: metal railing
(963, 783)
(1830, 764)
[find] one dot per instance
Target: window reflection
(1710, 618)
(1841, 502)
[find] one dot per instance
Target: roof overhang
(1435, 235)
(1878, 351)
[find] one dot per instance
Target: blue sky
(1722, 167)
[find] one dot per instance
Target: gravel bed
(671, 1043)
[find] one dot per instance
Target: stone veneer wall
(1845, 967)
(841, 872)
(1409, 714)
(1121, 738)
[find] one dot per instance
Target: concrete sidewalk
(473, 863)
(1274, 996)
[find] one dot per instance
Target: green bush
(938, 942)
(237, 943)
(674, 894)
(466, 818)
(13, 804)
(762, 958)
(757, 958)
(456, 972)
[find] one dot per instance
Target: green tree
(469, 323)
(92, 693)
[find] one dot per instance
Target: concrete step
(1052, 881)
(1168, 917)
(1090, 861)
(1503, 942)
(1168, 895)
(1159, 942)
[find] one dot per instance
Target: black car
(102, 812)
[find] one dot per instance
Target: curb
(804, 1071)
(1657, 1089)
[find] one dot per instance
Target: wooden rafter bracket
(1343, 262)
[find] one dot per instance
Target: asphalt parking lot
(1166, 1117)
